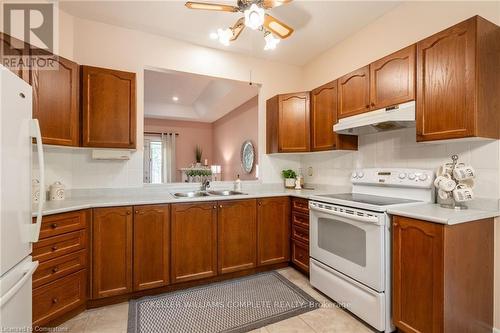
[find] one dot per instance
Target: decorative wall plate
(247, 156)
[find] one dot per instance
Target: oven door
(350, 241)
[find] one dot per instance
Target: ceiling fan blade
(274, 3)
(211, 6)
(277, 27)
(238, 28)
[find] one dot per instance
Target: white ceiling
(200, 98)
(318, 24)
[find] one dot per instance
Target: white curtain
(168, 155)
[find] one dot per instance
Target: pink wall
(229, 133)
(190, 134)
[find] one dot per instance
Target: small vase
(290, 182)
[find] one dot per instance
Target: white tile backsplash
(400, 149)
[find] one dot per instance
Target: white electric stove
(350, 239)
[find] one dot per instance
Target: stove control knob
(360, 174)
(402, 175)
(354, 174)
(411, 176)
(423, 177)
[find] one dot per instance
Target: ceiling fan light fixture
(254, 17)
(271, 41)
(225, 36)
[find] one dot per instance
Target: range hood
(391, 118)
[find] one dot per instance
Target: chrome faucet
(205, 184)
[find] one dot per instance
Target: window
(153, 160)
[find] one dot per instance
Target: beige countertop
(479, 209)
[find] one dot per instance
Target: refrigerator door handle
(12, 291)
(35, 133)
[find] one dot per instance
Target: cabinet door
(55, 102)
(111, 251)
(354, 93)
(151, 246)
(194, 241)
(294, 126)
(109, 108)
(13, 51)
(273, 230)
(417, 275)
(392, 79)
(323, 116)
(446, 83)
(237, 235)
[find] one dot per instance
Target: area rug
(232, 306)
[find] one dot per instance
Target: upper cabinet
(457, 82)
(109, 108)
(324, 108)
(392, 79)
(55, 102)
(288, 127)
(354, 93)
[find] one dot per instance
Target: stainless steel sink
(225, 193)
(193, 194)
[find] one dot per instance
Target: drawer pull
(55, 270)
(54, 248)
(55, 300)
(54, 225)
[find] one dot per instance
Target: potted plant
(289, 176)
(198, 153)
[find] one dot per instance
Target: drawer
(300, 205)
(300, 234)
(57, 246)
(58, 224)
(301, 220)
(59, 267)
(300, 255)
(58, 297)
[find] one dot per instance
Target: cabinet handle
(55, 301)
(395, 224)
(137, 212)
(220, 206)
(129, 212)
(373, 104)
(367, 106)
(215, 206)
(54, 225)
(55, 270)
(54, 248)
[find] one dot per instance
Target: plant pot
(290, 182)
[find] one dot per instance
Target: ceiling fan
(255, 17)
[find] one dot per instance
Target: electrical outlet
(310, 171)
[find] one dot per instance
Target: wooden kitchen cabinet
(458, 82)
(354, 93)
(288, 123)
(194, 241)
(151, 246)
(112, 251)
(442, 276)
(392, 79)
(56, 101)
(273, 230)
(324, 108)
(237, 235)
(108, 108)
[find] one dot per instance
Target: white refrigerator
(17, 232)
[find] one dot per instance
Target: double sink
(197, 194)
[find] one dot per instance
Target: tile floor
(328, 318)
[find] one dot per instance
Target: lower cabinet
(194, 241)
(237, 235)
(111, 251)
(442, 276)
(151, 246)
(273, 230)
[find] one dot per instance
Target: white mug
(446, 168)
(443, 194)
(463, 172)
(445, 183)
(463, 193)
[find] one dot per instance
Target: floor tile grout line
(312, 329)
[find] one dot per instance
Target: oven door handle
(364, 219)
